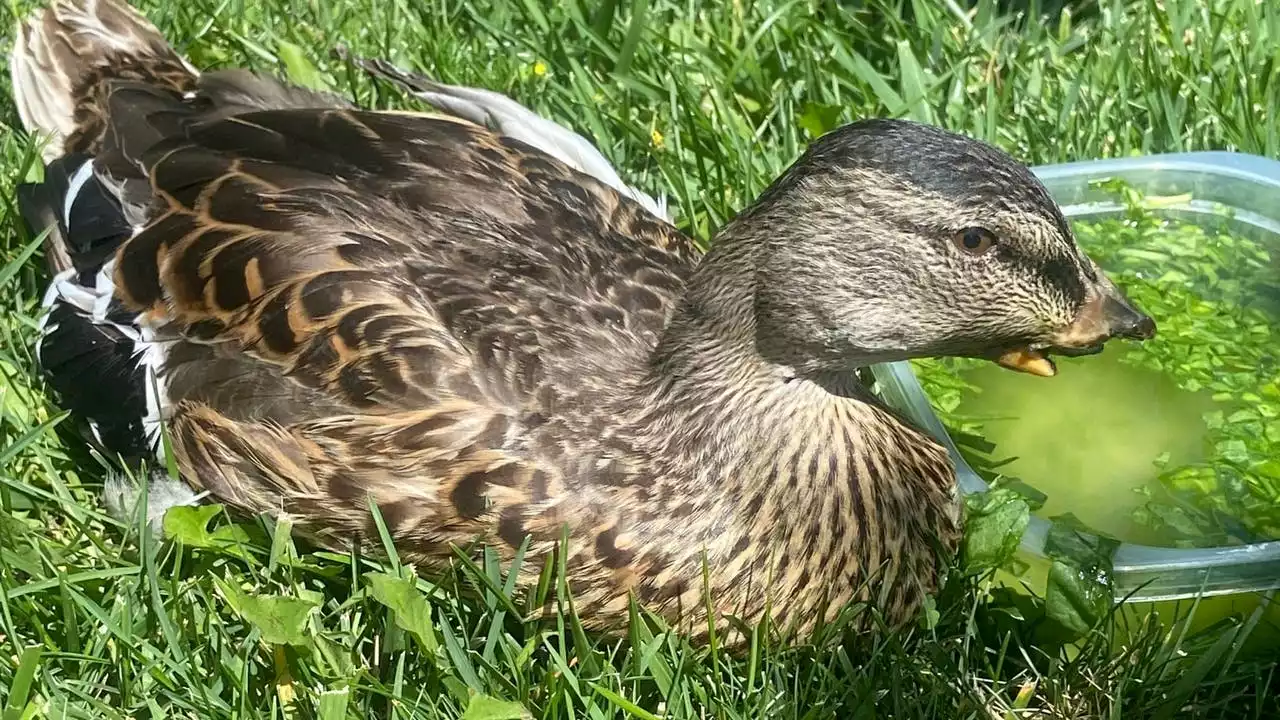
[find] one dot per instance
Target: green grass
(706, 103)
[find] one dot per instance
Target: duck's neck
(763, 428)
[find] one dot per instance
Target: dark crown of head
(929, 159)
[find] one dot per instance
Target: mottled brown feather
(366, 316)
(416, 312)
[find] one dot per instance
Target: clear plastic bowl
(1248, 187)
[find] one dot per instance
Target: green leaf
(411, 610)
(1272, 431)
(1156, 202)
(864, 71)
(626, 705)
(1234, 451)
(1174, 518)
(818, 120)
(189, 525)
(281, 620)
(483, 707)
(1194, 678)
(298, 68)
(1034, 497)
(1071, 541)
(929, 615)
(1079, 593)
(1075, 598)
(1269, 469)
(12, 267)
(631, 41)
(994, 524)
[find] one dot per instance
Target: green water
(1089, 437)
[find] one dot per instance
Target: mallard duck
(328, 309)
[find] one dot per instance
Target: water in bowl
(1113, 421)
(1089, 439)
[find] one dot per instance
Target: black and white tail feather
(104, 362)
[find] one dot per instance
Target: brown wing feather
(374, 255)
(384, 305)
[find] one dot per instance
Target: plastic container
(1249, 187)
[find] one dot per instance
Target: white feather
(150, 352)
(51, 296)
(77, 295)
(104, 286)
(121, 494)
(76, 184)
(152, 356)
(51, 293)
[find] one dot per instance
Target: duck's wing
(323, 305)
(427, 224)
(334, 304)
(507, 117)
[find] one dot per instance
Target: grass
(705, 103)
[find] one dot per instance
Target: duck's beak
(1106, 314)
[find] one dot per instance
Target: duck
(336, 315)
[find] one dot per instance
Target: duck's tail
(91, 350)
(65, 55)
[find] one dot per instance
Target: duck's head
(890, 240)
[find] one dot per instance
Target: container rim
(1254, 169)
(1141, 572)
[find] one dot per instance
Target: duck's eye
(975, 240)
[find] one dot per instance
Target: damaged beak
(1106, 314)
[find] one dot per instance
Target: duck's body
(337, 306)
